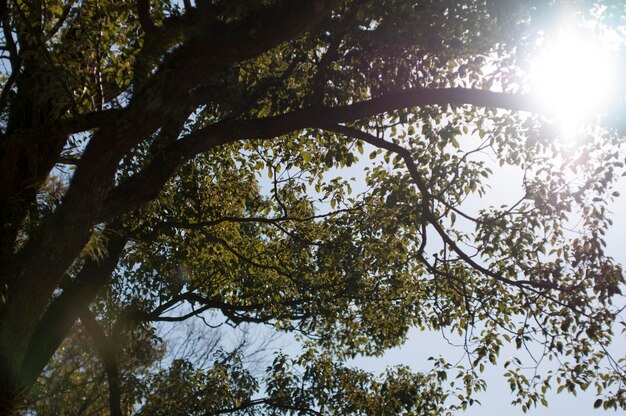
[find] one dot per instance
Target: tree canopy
(167, 161)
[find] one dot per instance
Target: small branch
(68, 160)
(268, 401)
(200, 225)
(263, 220)
(191, 297)
(332, 53)
(62, 19)
(8, 37)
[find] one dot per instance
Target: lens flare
(572, 79)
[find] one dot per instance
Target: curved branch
(45, 258)
(268, 401)
(146, 185)
(218, 45)
(536, 287)
(199, 225)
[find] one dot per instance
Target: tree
(136, 137)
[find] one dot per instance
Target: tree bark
(57, 243)
(63, 312)
(107, 350)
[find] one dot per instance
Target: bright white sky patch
(572, 78)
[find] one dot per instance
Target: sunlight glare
(572, 79)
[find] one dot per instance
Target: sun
(572, 78)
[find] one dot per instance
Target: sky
(506, 187)
(497, 398)
(557, 69)
(422, 345)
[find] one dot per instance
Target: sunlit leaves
(344, 244)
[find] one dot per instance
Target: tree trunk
(9, 397)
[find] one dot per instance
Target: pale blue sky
(497, 398)
(505, 186)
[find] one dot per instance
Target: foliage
(305, 166)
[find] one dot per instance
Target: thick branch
(63, 311)
(52, 249)
(143, 13)
(146, 185)
(192, 64)
(106, 349)
(8, 36)
(10, 181)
